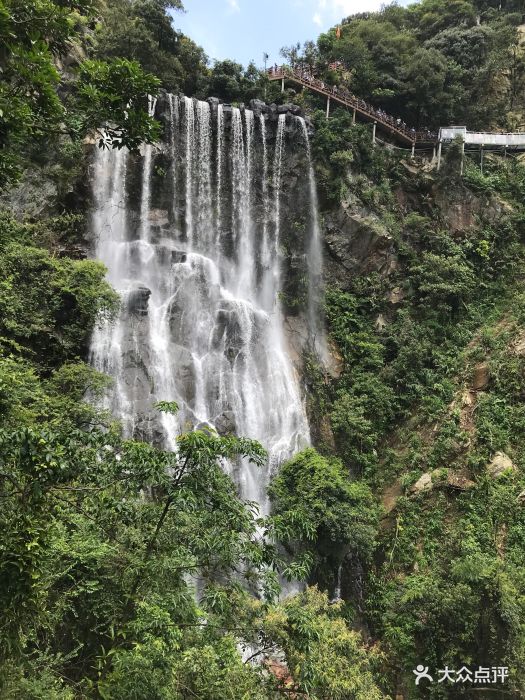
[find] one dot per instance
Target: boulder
(501, 464)
(424, 483)
(137, 301)
(380, 323)
(459, 481)
(481, 377)
(396, 296)
(521, 498)
(289, 109)
(258, 106)
(225, 423)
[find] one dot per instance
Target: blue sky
(244, 29)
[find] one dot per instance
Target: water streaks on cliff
(197, 262)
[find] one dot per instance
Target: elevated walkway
(483, 139)
(394, 127)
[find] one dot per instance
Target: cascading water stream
(315, 261)
(146, 188)
(199, 276)
(218, 176)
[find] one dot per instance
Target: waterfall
(315, 262)
(174, 126)
(146, 188)
(338, 587)
(218, 177)
(189, 115)
(199, 277)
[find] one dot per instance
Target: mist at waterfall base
(191, 234)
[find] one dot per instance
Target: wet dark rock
(162, 108)
(258, 106)
(149, 429)
(185, 375)
(137, 301)
(158, 217)
(225, 423)
(295, 110)
(178, 256)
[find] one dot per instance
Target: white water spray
(201, 322)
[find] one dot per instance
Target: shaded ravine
(201, 321)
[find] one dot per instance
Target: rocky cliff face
(359, 242)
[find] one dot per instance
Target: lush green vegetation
(446, 584)
(33, 35)
(105, 539)
(435, 62)
(97, 584)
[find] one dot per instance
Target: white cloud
(337, 9)
(234, 6)
(318, 19)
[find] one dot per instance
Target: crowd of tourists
(304, 73)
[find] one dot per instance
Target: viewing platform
(484, 139)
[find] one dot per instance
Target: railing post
(327, 107)
(481, 158)
(462, 157)
(439, 155)
(413, 149)
(282, 84)
(374, 134)
(353, 118)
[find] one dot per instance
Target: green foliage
(326, 657)
(167, 406)
(443, 280)
(85, 563)
(50, 305)
(445, 584)
(318, 507)
(143, 32)
(364, 403)
(231, 82)
(32, 35)
(432, 63)
(338, 146)
(481, 182)
(116, 93)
